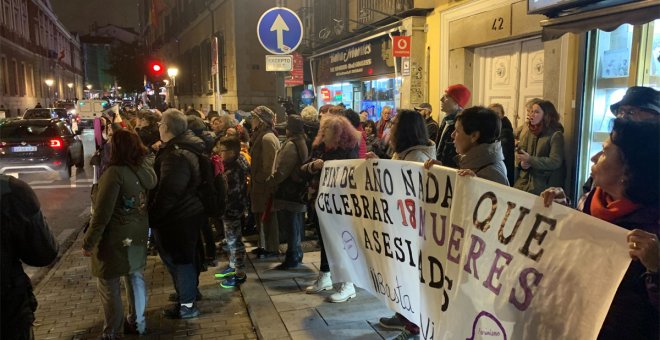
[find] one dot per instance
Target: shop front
(361, 76)
(621, 48)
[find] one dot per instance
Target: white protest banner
(465, 258)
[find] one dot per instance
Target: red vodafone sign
(401, 46)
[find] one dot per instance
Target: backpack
(207, 190)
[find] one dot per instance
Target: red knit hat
(459, 93)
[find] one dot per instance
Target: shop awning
(606, 19)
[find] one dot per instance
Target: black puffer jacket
(25, 238)
(149, 135)
(175, 197)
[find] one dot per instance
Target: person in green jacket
(540, 152)
(117, 236)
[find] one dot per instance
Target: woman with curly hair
(540, 153)
(336, 139)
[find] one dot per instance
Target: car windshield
(22, 131)
(38, 114)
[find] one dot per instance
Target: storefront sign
(279, 63)
(371, 58)
(405, 66)
(295, 77)
(401, 46)
(466, 258)
(325, 94)
(307, 97)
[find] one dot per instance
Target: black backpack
(207, 190)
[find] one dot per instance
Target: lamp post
(89, 91)
(172, 72)
(70, 86)
(49, 83)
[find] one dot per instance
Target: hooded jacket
(117, 234)
(417, 153)
(487, 162)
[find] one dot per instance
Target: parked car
(88, 110)
(39, 145)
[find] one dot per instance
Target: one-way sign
(279, 30)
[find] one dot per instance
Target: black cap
(295, 124)
(645, 98)
(424, 106)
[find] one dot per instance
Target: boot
(323, 282)
(345, 292)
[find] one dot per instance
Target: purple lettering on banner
(440, 241)
(496, 271)
(486, 315)
(474, 254)
(349, 245)
(522, 279)
(455, 243)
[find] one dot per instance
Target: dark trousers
(293, 224)
(208, 240)
(325, 267)
(184, 276)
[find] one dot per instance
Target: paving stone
(302, 319)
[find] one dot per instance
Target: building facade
(35, 47)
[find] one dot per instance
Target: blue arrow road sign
(280, 30)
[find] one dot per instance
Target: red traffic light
(156, 68)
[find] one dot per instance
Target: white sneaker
(323, 282)
(345, 292)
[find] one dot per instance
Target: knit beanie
(459, 93)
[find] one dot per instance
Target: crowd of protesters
(153, 170)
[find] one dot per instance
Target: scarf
(604, 207)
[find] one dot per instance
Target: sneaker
(346, 291)
(392, 323)
(229, 271)
(323, 282)
(181, 312)
(406, 335)
(233, 281)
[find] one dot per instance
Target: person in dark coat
(176, 211)
(310, 119)
(26, 239)
(147, 128)
(289, 185)
(507, 140)
(425, 109)
(454, 100)
(626, 192)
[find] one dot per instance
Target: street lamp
(89, 91)
(70, 86)
(49, 83)
(172, 72)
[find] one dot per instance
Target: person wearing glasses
(432, 127)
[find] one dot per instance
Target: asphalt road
(64, 203)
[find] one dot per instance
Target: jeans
(293, 222)
(185, 277)
(110, 292)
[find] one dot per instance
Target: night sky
(79, 15)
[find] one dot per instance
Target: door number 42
(498, 24)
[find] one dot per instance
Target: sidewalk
(272, 304)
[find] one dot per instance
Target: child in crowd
(236, 171)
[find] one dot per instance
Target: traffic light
(155, 72)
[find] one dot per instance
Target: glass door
(625, 57)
